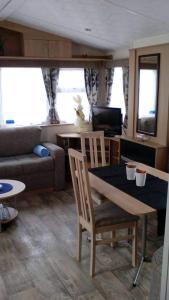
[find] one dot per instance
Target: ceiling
(114, 24)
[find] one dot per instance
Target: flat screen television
(108, 119)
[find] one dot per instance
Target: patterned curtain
(109, 83)
(125, 92)
(91, 77)
(50, 77)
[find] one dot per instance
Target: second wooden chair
(93, 146)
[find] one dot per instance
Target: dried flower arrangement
(79, 109)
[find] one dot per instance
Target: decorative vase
(79, 122)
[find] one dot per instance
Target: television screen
(108, 119)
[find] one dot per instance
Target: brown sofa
(17, 160)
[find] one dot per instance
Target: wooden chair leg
(92, 255)
(134, 246)
(130, 231)
(100, 236)
(113, 236)
(79, 241)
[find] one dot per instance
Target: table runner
(154, 193)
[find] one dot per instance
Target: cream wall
(163, 99)
(49, 132)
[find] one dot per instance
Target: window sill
(41, 125)
(60, 124)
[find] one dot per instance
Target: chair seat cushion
(110, 214)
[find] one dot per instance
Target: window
(22, 96)
(117, 97)
(71, 83)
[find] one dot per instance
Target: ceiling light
(88, 29)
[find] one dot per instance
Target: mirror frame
(157, 94)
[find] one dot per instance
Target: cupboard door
(60, 49)
(36, 48)
(115, 151)
(11, 42)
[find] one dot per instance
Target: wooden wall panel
(60, 49)
(131, 96)
(36, 48)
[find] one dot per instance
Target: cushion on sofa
(19, 140)
(41, 151)
(24, 164)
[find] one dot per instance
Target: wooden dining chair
(103, 218)
(93, 146)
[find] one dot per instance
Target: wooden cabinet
(146, 152)
(60, 49)
(68, 140)
(11, 43)
(47, 48)
(114, 149)
(36, 48)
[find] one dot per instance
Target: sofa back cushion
(19, 140)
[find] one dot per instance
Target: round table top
(18, 187)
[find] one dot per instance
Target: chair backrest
(80, 180)
(94, 141)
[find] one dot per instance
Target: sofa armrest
(58, 154)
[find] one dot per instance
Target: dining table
(112, 183)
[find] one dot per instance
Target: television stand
(146, 152)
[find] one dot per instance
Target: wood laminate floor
(37, 256)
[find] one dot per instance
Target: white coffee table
(17, 188)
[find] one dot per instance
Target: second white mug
(140, 177)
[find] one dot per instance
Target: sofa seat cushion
(9, 167)
(24, 164)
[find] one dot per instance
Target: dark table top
(154, 193)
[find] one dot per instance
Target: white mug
(140, 177)
(131, 171)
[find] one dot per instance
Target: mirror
(148, 86)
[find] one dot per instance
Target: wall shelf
(15, 61)
(54, 59)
